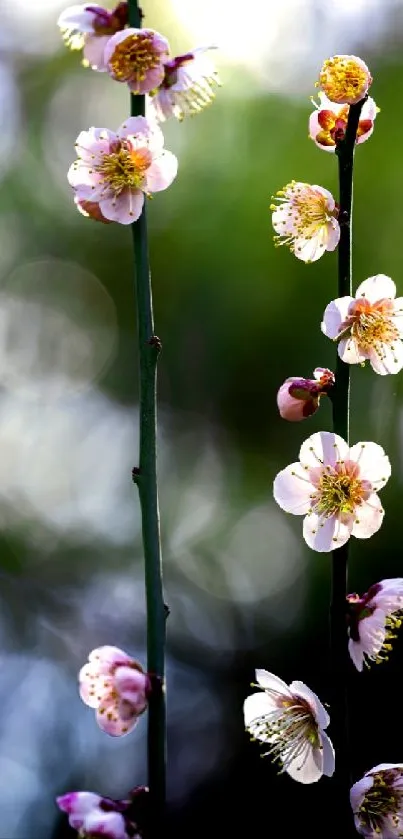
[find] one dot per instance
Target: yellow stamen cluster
(288, 729)
(338, 492)
(344, 79)
(383, 800)
(372, 329)
(124, 168)
(392, 623)
(134, 57)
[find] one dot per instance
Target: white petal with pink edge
(152, 80)
(162, 172)
(79, 803)
(110, 825)
(307, 767)
(93, 52)
(323, 448)
(269, 681)
(325, 534)
(335, 313)
(321, 715)
(373, 462)
(78, 17)
(142, 131)
(125, 208)
(369, 517)
(292, 490)
(350, 352)
(376, 288)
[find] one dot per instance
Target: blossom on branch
(328, 122)
(377, 802)
(137, 57)
(94, 816)
(299, 398)
(89, 27)
(372, 621)
(187, 87)
(345, 79)
(115, 170)
(291, 719)
(115, 685)
(368, 326)
(335, 487)
(305, 219)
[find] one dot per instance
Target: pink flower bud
(299, 398)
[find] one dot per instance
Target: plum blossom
(94, 816)
(345, 79)
(335, 487)
(115, 685)
(89, 28)
(305, 219)
(299, 398)
(372, 621)
(377, 802)
(368, 326)
(137, 57)
(291, 719)
(328, 122)
(115, 170)
(187, 87)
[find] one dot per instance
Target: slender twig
(145, 476)
(341, 417)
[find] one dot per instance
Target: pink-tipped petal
(323, 447)
(124, 209)
(325, 534)
(162, 172)
(104, 824)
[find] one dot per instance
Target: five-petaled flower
(299, 398)
(335, 487)
(89, 27)
(116, 686)
(369, 326)
(137, 57)
(328, 122)
(305, 219)
(116, 170)
(187, 87)
(291, 719)
(372, 621)
(345, 79)
(95, 816)
(377, 802)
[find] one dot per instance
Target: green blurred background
(236, 317)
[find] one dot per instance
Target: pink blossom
(328, 122)
(89, 27)
(94, 816)
(373, 620)
(187, 87)
(345, 79)
(115, 170)
(368, 326)
(305, 219)
(137, 57)
(291, 719)
(335, 487)
(377, 802)
(115, 685)
(299, 398)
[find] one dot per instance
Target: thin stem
(341, 418)
(146, 479)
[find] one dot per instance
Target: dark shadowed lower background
(236, 316)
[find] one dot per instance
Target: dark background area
(236, 317)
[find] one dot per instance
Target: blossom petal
(388, 360)
(93, 52)
(358, 791)
(328, 755)
(110, 825)
(256, 706)
(333, 234)
(78, 17)
(269, 681)
(373, 462)
(307, 767)
(124, 208)
(325, 534)
(369, 517)
(292, 490)
(376, 288)
(162, 172)
(323, 448)
(310, 250)
(356, 652)
(111, 723)
(335, 313)
(321, 715)
(143, 129)
(350, 352)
